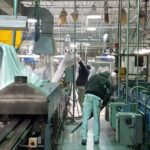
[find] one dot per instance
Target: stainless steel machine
(29, 118)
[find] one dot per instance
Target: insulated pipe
(127, 70)
(15, 14)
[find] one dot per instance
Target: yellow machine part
(122, 73)
(7, 35)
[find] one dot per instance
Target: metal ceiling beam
(73, 0)
(76, 0)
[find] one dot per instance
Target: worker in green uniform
(97, 88)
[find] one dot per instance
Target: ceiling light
(93, 13)
(94, 17)
(29, 56)
(31, 20)
(143, 51)
(91, 61)
(59, 56)
(91, 29)
(72, 45)
(86, 44)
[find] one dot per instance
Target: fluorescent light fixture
(110, 56)
(59, 56)
(55, 60)
(94, 17)
(107, 56)
(143, 51)
(73, 46)
(91, 28)
(91, 61)
(31, 20)
(86, 44)
(29, 56)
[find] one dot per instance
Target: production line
(74, 75)
(32, 111)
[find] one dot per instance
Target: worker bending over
(97, 89)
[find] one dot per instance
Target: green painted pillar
(127, 46)
(15, 4)
(137, 44)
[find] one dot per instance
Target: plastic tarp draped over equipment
(10, 66)
(66, 62)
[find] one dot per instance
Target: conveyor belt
(7, 129)
(10, 141)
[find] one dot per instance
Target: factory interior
(43, 42)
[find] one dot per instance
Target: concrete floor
(107, 138)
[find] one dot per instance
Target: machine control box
(129, 128)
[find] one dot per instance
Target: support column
(127, 63)
(74, 80)
(15, 14)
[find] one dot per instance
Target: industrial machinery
(129, 128)
(31, 109)
(29, 117)
(116, 107)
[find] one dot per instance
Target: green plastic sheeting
(10, 66)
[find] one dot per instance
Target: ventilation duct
(45, 43)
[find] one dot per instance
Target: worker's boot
(83, 142)
(96, 142)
